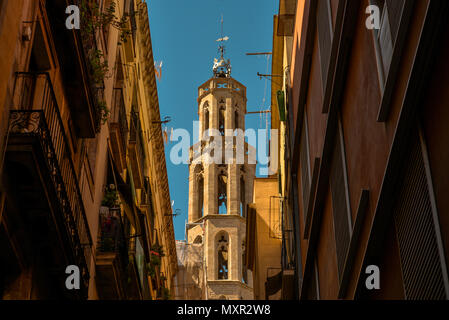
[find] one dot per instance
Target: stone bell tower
(220, 185)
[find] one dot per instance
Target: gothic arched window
(222, 193)
(221, 120)
(236, 120)
(199, 191)
(222, 258)
(200, 196)
(244, 270)
(206, 116)
(242, 197)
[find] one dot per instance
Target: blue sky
(183, 36)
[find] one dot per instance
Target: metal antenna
(222, 67)
(221, 46)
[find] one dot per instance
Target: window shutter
(385, 42)
(324, 25)
(305, 167)
(339, 205)
(395, 9)
(418, 247)
(391, 20)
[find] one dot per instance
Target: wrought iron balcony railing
(145, 195)
(137, 156)
(118, 115)
(35, 113)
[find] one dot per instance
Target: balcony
(145, 194)
(42, 176)
(112, 256)
(73, 56)
(118, 128)
(136, 151)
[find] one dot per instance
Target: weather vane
(222, 67)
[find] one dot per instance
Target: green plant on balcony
(93, 19)
(98, 65)
(110, 198)
(122, 26)
(103, 111)
(158, 250)
(155, 261)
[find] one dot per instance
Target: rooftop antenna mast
(221, 40)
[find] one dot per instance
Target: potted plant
(110, 199)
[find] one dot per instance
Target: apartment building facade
(83, 177)
(367, 109)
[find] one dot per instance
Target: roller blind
(422, 271)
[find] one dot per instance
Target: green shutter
(281, 105)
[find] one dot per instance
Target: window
(222, 252)
(242, 197)
(206, 116)
(200, 196)
(91, 152)
(416, 221)
(244, 270)
(206, 120)
(305, 166)
(391, 12)
(325, 35)
(236, 120)
(221, 121)
(222, 193)
(198, 187)
(340, 201)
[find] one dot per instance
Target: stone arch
(222, 245)
(221, 116)
(242, 197)
(206, 116)
(199, 190)
(236, 120)
(222, 194)
(244, 270)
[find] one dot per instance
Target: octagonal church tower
(221, 177)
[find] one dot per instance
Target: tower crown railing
(214, 84)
